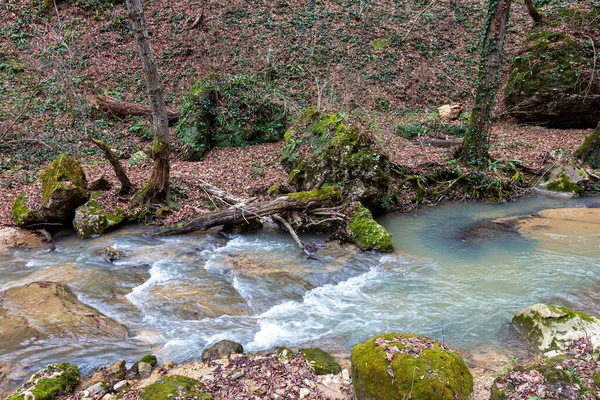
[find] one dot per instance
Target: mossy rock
(550, 327)
(48, 384)
(175, 387)
(230, 111)
(63, 189)
(589, 151)
(110, 253)
(436, 372)
(221, 349)
(366, 233)
(91, 220)
(567, 179)
(284, 355)
(550, 82)
(336, 150)
(321, 362)
(148, 359)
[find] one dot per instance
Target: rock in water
(61, 188)
(50, 311)
(366, 233)
(48, 384)
(549, 327)
(320, 361)
(334, 149)
(552, 82)
(221, 349)
(11, 238)
(400, 366)
(91, 220)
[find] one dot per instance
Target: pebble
(96, 389)
(304, 393)
(345, 374)
(144, 370)
(119, 385)
(236, 375)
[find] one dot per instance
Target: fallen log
(122, 109)
(300, 201)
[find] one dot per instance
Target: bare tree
(158, 187)
(476, 140)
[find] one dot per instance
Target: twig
(29, 140)
(593, 70)
(292, 232)
(414, 21)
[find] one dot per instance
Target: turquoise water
(179, 294)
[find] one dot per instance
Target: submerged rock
(552, 82)
(175, 387)
(400, 366)
(91, 220)
(549, 327)
(487, 231)
(320, 361)
(366, 233)
(221, 349)
(61, 188)
(335, 150)
(110, 253)
(12, 237)
(48, 384)
(50, 311)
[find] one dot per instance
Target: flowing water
(177, 295)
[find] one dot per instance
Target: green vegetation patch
(366, 233)
(174, 386)
(321, 362)
(50, 383)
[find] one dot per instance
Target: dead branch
(292, 232)
(126, 185)
(123, 109)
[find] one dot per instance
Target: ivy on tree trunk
(475, 144)
(158, 187)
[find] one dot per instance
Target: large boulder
(335, 149)
(549, 327)
(227, 112)
(19, 238)
(49, 311)
(401, 366)
(91, 219)
(60, 189)
(552, 82)
(365, 232)
(48, 384)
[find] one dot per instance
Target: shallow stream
(177, 295)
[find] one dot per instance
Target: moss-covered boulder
(552, 81)
(335, 149)
(48, 384)
(566, 179)
(60, 189)
(230, 111)
(148, 359)
(321, 362)
(549, 327)
(221, 349)
(365, 232)
(406, 366)
(589, 151)
(174, 387)
(91, 220)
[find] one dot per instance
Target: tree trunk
(158, 187)
(476, 141)
(126, 186)
(301, 201)
(589, 151)
(533, 12)
(123, 109)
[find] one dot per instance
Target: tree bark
(126, 186)
(476, 140)
(534, 12)
(157, 189)
(123, 109)
(589, 151)
(302, 201)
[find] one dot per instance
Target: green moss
(284, 355)
(174, 386)
(366, 232)
(329, 192)
(20, 210)
(50, 383)
(437, 373)
(91, 220)
(148, 359)
(64, 169)
(320, 361)
(562, 183)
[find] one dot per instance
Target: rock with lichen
(48, 384)
(400, 366)
(566, 179)
(91, 219)
(60, 189)
(337, 150)
(321, 362)
(549, 327)
(365, 232)
(552, 82)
